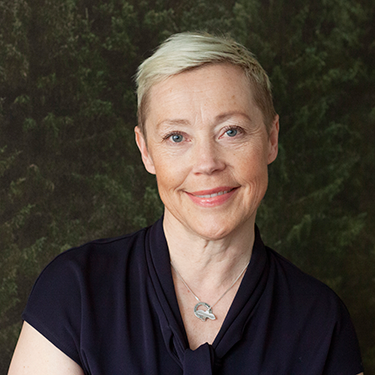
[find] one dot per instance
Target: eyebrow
(225, 116)
(172, 122)
(218, 119)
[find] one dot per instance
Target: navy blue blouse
(110, 305)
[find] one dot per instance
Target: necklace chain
(200, 303)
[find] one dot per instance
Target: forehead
(204, 90)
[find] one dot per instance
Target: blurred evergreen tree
(70, 171)
(316, 209)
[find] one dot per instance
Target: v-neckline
(245, 300)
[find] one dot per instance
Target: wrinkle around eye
(239, 131)
(171, 138)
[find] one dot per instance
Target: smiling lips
(213, 197)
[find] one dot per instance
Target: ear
(146, 157)
(273, 140)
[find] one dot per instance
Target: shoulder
(79, 275)
(294, 278)
(80, 285)
(89, 269)
(317, 314)
(101, 254)
(116, 246)
(306, 294)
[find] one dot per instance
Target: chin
(212, 234)
(216, 230)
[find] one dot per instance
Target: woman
(197, 292)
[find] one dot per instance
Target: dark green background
(70, 171)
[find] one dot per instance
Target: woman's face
(209, 148)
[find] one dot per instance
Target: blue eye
(177, 138)
(231, 132)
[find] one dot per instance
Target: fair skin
(34, 355)
(204, 136)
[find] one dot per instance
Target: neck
(208, 265)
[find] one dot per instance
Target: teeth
(213, 195)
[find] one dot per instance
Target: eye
(231, 132)
(174, 137)
(177, 138)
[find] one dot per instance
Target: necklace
(207, 314)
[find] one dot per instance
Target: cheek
(165, 168)
(168, 177)
(253, 165)
(255, 177)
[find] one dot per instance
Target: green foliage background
(70, 171)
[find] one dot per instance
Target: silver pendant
(204, 314)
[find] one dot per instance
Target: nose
(207, 158)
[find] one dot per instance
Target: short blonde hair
(186, 51)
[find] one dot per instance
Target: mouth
(212, 197)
